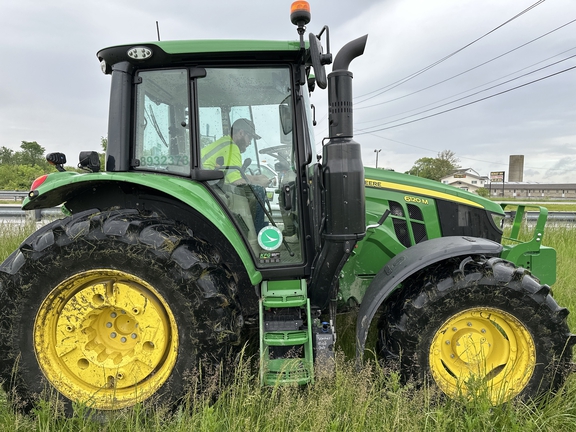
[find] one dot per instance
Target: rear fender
(405, 264)
(61, 187)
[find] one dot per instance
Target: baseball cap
(247, 126)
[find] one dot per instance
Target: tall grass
(11, 235)
(563, 239)
(370, 399)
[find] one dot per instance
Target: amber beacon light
(300, 13)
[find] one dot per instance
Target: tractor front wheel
(479, 327)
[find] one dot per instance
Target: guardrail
(557, 216)
(13, 195)
(14, 212)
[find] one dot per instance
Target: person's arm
(260, 180)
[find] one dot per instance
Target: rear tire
(113, 308)
(479, 327)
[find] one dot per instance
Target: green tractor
(169, 257)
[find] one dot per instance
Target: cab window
(162, 138)
(245, 129)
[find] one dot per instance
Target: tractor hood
(391, 180)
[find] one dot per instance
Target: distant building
(466, 179)
(532, 190)
(516, 187)
(469, 180)
(516, 168)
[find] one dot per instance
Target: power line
(362, 132)
(478, 92)
(473, 88)
(421, 71)
(468, 70)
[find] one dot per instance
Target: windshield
(245, 129)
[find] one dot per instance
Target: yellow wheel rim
(106, 338)
(483, 351)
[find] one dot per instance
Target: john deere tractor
(170, 255)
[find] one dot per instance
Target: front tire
(486, 327)
(113, 308)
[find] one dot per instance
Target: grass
(11, 236)
(371, 399)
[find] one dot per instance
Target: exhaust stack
(343, 177)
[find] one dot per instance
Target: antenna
(158, 30)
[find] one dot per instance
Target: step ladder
(286, 354)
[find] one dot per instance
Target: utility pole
(377, 151)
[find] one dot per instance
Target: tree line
(18, 169)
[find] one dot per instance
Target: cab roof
(164, 53)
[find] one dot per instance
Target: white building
(466, 179)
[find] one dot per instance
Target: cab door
(259, 187)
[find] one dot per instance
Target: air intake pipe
(343, 177)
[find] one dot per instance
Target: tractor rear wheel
(479, 327)
(113, 308)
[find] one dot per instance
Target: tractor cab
(226, 124)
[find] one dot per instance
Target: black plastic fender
(405, 264)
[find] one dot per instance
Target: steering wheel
(274, 149)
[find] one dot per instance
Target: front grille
(401, 229)
(414, 212)
(419, 231)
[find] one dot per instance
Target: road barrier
(13, 213)
(13, 195)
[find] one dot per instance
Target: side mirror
(285, 118)
(318, 60)
(315, 53)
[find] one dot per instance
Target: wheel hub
(112, 335)
(482, 350)
(107, 338)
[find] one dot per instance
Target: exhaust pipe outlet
(349, 52)
(340, 108)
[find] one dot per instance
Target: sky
(421, 56)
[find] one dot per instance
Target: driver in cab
(229, 148)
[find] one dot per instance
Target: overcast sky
(52, 90)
